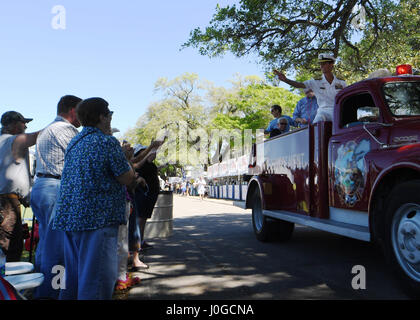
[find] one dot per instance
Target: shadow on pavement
(217, 257)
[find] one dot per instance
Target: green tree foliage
(180, 103)
(247, 105)
(398, 43)
(192, 110)
(178, 113)
(289, 34)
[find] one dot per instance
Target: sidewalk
(186, 265)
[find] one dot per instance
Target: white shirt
(14, 175)
(51, 146)
(324, 91)
(201, 186)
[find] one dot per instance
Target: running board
(341, 228)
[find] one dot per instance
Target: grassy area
(25, 256)
(27, 215)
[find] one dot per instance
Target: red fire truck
(357, 176)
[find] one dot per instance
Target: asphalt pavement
(213, 254)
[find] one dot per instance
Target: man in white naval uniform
(325, 89)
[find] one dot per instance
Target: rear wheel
(266, 228)
(402, 234)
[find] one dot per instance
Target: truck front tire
(402, 234)
(268, 229)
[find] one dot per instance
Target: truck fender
(253, 184)
(394, 171)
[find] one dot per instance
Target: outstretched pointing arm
(292, 83)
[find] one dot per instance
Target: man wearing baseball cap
(15, 181)
(325, 88)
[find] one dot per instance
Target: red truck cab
(358, 176)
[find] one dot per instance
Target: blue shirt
(273, 124)
(90, 197)
(306, 108)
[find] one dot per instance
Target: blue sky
(111, 49)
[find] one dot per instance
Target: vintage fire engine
(357, 176)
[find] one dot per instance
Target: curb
(219, 201)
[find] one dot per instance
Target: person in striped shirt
(51, 146)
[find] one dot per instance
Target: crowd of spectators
(91, 198)
(192, 187)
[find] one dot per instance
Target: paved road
(213, 254)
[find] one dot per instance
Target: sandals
(129, 282)
(121, 285)
(134, 280)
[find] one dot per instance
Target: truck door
(349, 182)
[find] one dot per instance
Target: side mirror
(368, 114)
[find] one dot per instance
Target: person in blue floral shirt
(91, 204)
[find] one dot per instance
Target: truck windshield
(403, 98)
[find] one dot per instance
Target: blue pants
(133, 230)
(91, 263)
(49, 251)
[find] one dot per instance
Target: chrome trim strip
(359, 218)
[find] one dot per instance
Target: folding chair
(18, 275)
(8, 292)
(13, 268)
(24, 283)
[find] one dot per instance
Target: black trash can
(160, 225)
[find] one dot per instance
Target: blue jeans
(49, 251)
(133, 230)
(91, 264)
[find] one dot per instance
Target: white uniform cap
(326, 57)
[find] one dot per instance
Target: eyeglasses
(109, 114)
(282, 124)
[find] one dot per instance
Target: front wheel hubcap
(406, 239)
